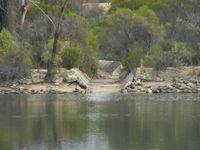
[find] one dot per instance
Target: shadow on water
(100, 122)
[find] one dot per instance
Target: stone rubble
(146, 83)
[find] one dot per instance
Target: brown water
(100, 122)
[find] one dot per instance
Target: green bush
(72, 56)
(15, 61)
(133, 59)
(89, 64)
(183, 54)
(155, 59)
(169, 54)
(124, 27)
(46, 54)
(110, 55)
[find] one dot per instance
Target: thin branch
(48, 17)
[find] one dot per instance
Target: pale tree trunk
(24, 9)
(50, 64)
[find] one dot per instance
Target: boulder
(112, 67)
(127, 80)
(73, 75)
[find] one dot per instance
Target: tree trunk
(24, 9)
(3, 14)
(48, 77)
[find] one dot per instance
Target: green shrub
(110, 55)
(91, 61)
(183, 54)
(124, 27)
(72, 56)
(90, 57)
(15, 61)
(89, 64)
(155, 59)
(46, 54)
(133, 59)
(169, 54)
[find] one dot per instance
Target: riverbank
(65, 81)
(171, 80)
(112, 78)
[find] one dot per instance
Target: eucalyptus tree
(50, 65)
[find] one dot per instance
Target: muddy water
(100, 122)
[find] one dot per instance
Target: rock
(127, 80)
(21, 89)
(124, 91)
(75, 76)
(194, 81)
(170, 87)
(190, 84)
(112, 67)
(36, 80)
(33, 92)
(156, 91)
(58, 80)
(13, 86)
(138, 83)
(176, 85)
(148, 87)
(158, 79)
(149, 91)
(79, 90)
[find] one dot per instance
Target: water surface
(100, 122)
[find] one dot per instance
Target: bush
(85, 58)
(90, 56)
(122, 28)
(183, 54)
(15, 61)
(72, 56)
(133, 59)
(169, 54)
(46, 54)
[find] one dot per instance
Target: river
(100, 122)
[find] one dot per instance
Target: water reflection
(99, 122)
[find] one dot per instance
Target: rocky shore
(65, 81)
(143, 80)
(172, 80)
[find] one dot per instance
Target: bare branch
(48, 17)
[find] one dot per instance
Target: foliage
(72, 56)
(135, 4)
(14, 60)
(93, 13)
(46, 54)
(123, 28)
(131, 30)
(90, 55)
(169, 54)
(133, 59)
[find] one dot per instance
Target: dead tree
(50, 64)
(24, 9)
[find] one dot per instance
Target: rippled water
(100, 122)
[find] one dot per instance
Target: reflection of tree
(153, 125)
(53, 122)
(33, 122)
